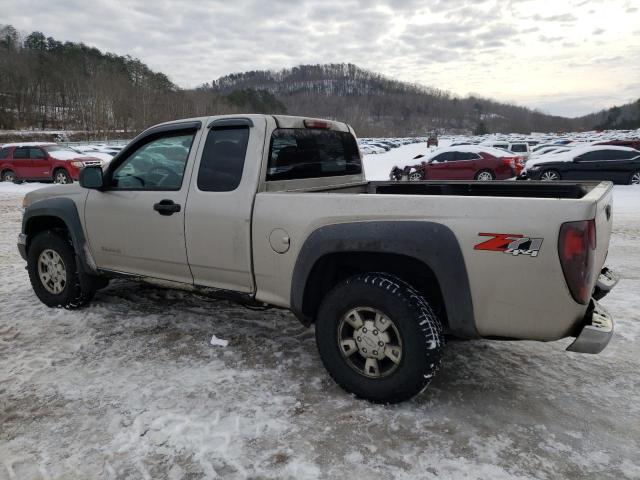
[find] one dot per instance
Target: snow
(130, 387)
(7, 188)
(218, 342)
(378, 166)
(28, 144)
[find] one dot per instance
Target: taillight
(577, 247)
(509, 161)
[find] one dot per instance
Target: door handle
(166, 207)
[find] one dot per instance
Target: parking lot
(131, 387)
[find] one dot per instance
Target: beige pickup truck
(276, 211)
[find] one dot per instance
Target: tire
(550, 176)
(634, 179)
(485, 175)
(47, 250)
(413, 326)
(61, 176)
(415, 176)
(8, 176)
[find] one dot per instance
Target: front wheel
(415, 176)
(54, 273)
(378, 338)
(635, 178)
(61, 176)
(550, 176)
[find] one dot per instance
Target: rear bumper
(596, 332)
(606, 281)
(597, 326)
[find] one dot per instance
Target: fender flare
(63, 209)
(432, 243)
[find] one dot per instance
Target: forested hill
(49, 84)
(377, 105)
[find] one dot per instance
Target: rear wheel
(61, 176)
(635, 178)
(8, 176)
(485, 175)
(378, 338)
(550, 176)
(54, 273)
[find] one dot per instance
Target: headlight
(78, 164)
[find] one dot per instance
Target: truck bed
(528, 189)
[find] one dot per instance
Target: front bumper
(22, 245)
(596, 332)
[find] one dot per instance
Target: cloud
(565, 17)
(455, 45)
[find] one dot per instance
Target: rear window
(297, 153)
(519, 147)
(4, 153)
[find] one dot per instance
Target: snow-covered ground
(141, 385)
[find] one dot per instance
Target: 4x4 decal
(511, 243)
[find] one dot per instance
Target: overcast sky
(567, 57)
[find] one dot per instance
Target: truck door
(136, 225)
(220, 204)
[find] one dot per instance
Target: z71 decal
(513, 244)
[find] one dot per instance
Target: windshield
(58, 148)
(297, 153)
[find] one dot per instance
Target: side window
(590, 156)
(445, 157)
(466, 156)
(21, 153)
(222, 160)
(156, 165)
(36, 153)
(620, 155)
(4, 153)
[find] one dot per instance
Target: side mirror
(91, 177)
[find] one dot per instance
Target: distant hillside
(48, 84)
(623, 117)
(376, 105)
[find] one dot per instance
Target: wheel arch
(58, 214)
(57, 168)
(424, 254)
(3, 170)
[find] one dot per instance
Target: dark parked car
(616, 164)
(634, 143)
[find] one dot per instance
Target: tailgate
(603, 196)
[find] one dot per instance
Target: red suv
(463, 163)
(42, 161)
